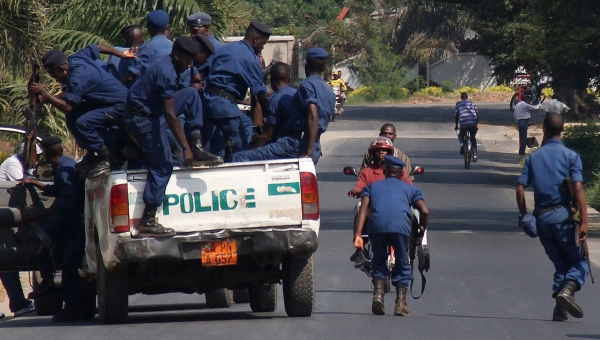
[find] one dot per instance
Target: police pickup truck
(239, 226)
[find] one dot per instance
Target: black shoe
(202, 157)
(86, 162)
(566, 299)
(66, 315)
(559, 313)
(462, 150)
(149, 227)
(101, 167)
(45, 287)
(354, 256)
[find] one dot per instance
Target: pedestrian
(546, 170)
(556, 106)
(93, 102)
(133, 37)
(63, 223)
(522, 114)
(466, 114)
(311, 109)
(200, 23)
(390, 225)
(234, 70)
(159, 45)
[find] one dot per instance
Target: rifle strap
(423, 279)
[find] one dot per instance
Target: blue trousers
(214, 139)
(380, 242)
(522, 124)
(284, 147)
(14, 290)
(569, 262)
(463, 132)
(188, 108)
(91, 129)
(158, 160)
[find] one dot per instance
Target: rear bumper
(187, 247)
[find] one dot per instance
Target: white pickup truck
(239, 226)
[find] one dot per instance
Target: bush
(429, 91)
(592, 193)
(467, 89)
(548, 92)
(500, 88)
(585, 139)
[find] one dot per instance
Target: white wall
(278, 47)
(466, 69)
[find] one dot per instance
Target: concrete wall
(278, 48)
(467, 69)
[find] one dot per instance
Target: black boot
(401, 306)
(101, 164)
(149, 227)
(202, 157)
(559, 313)
(86, 162)
(566, 298)
(377, 307)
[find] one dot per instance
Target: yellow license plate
(219, 253)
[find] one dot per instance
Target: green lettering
(182, 201)
(224, 203)
(168, 201)
(199, 207)
(215, 201)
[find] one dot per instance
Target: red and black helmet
(382, 143)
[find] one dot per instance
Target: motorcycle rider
(388, 130)
(336, 80)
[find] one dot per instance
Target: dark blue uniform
(312, 90)
(149, 53)
(233, 69)
(118, 67)
(280, 105)
(389, 224)
(66, 229)
(97, 98)
(546, 169)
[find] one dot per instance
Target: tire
(219, 298)
(298, 285)
(466, 155)
(513, 101)
(241, 295)
(113, 293)
(48, 303)
(263, 298)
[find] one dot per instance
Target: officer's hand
(27, 180)
(199, 86)
(130, 53)
(353, 193)
(359, 243)
(36, 89)
(456, 128)
(188, 158)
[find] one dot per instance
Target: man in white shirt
(12, 170)
(522, 114)
(556, 106)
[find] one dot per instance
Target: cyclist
(466, 114)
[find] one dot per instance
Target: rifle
(414, 246)
(31, 114)
(576, 217)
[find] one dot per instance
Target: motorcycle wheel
(513, 101)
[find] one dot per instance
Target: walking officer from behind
(547, 169)
(389, 225)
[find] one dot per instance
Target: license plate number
(219, 253)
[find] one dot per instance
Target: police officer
(151, 103)
(312, 106)
(133, 37)
(159, 45)
(92, 101)
(389, 225)
(234, 69)
(63, 223)
(546, 169)
(199, 23)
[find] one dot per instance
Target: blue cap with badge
(316, 53)
(527, 222)
(394, 161)
(157, 20)
(198, 19)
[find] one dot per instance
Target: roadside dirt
(481, 97)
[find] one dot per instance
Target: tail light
(310, 196)
(119, 208)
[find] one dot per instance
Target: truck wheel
(48, 303)
(113, 293)
(298, 285)
(219, 298)
(241, 295)
(263, 298)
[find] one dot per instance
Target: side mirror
(417, 170)
(349, 170)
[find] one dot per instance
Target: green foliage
(592, 192)
(585, 139)
(467, 89)
(501, 88)
(429, 91)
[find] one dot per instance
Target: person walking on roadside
(466, 114)
(522, 114)
(552, 219)
(556, 106)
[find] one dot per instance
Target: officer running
(547, 169)
(389, 225)
(312, 106)
(466, 114)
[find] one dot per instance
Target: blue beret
(205, 44)
(260, 28)
(157, 20)
(316, 53)
(199, 19)
(528, 225)
(50, 141)
(187, 46)
(53, 59)
(394, 161)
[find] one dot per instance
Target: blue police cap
(528, 225)
(394, 161)
(157, 20)
(50, 141)
(316, 53)
(187, 46)
(53, 59)
(205, 44)
(199, 19)
(260, 28)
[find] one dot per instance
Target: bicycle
(468, 149)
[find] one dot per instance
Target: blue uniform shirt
(150, 52)
(279, 108)
(312, 90)
(158, 82)
(68, 189)
(390, 201)
(547, 168)
(89, 85)
(117, 66)
(216, 43)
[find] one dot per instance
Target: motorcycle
(525, 91)
(364, 260)
(339, 104)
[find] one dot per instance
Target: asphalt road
(488, 280)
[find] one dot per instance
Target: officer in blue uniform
(92, 101)
(312, 106)
(199, 23)
(151, 103)
(63, 223)
(234, 69)
(159, 45)
(546, 169)
(389, 225)
(133, 37)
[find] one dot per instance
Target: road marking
(462, 232)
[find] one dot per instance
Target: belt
(301, 135)
(538, 211)
(138, 111)
(220, 92)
